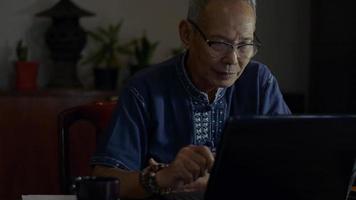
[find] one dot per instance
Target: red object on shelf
(26, 75)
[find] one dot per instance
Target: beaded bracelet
(149, 182)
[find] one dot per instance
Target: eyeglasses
(243, 50)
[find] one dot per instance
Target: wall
(283, 26)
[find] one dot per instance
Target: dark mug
(96, 188)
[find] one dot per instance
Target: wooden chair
(79, 127)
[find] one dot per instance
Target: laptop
(284, 158)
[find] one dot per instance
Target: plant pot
(105, 79)
(26, 75)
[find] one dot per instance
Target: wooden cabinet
(29, 139)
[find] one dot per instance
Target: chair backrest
(97, 115)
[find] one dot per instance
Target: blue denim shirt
(160, 111)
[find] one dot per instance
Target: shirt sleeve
(125, 142)
(272, 102)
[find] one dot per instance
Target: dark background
(333, 70)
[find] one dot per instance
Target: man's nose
(231, 57)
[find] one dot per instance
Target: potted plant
(26, 71)
(143, 50)
(106, 57)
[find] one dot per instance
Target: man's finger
(207, 154)
(152, 161)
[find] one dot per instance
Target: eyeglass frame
(256, 41)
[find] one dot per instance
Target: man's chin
(226, 83)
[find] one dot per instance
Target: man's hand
(199, 185)
(189, 170)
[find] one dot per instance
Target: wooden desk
(29, 139)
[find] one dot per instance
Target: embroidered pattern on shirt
(208, 122)
(202, 124)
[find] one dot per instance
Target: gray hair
(196, 6)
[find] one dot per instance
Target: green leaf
(21, 51)
(96, 37)
(143, 50)
(108, 47)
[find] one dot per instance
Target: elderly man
(170, 116)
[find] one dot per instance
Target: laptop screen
(284, 158)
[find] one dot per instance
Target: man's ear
(185, 33)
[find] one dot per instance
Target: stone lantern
(65, 39)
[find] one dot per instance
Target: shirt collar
(193, 91)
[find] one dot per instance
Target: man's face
(229, 21)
